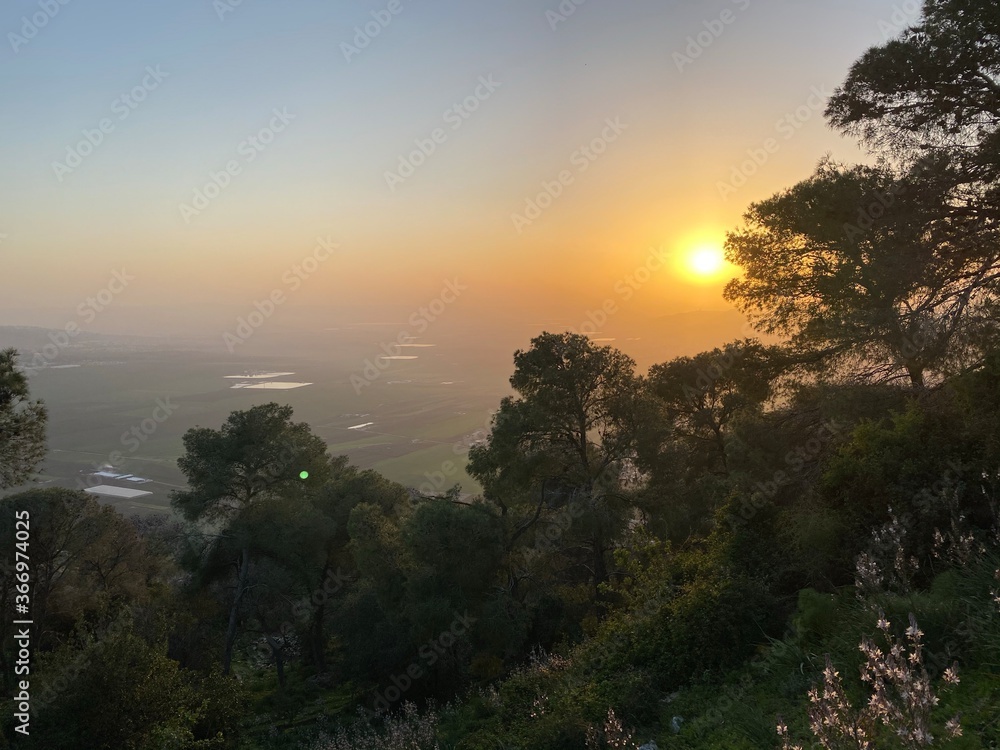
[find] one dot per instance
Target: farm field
(131, 407)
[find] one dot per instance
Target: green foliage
(554, 467)
(815, 619)
(453, 556)
(238, 476)
(688, 436)
(258, 451)
(921, 464)
(22, 424)
(145, 700)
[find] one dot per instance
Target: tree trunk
(916, 373)
(241, 586)
(279, 658)
(600, 569)
(316, 638)
(720, 444)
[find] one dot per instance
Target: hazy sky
(181, 87)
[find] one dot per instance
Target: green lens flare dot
(303, 475)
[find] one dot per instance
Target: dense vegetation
(758, 546)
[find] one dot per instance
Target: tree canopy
(22, 424)
(934, 88)
(865, 270)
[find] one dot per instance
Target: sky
(168, 165)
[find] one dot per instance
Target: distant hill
(31, 340)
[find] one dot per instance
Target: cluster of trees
(653, 529)
(671, 519)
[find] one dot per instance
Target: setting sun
(705, 262)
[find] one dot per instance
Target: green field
(421, 431)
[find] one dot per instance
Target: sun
(706, 262)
